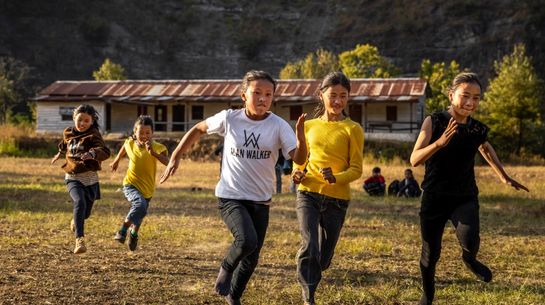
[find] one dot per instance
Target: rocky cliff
(167, 39)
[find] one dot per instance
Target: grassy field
(183, 241)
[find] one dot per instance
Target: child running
(335, 147)
(447, 143)
(84, 150)
(252, 138)
(139, 183)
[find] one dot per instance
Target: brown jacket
(75, 144)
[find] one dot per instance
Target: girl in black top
(447, 143)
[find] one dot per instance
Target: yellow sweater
(339, 145)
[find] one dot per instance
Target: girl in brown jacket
(84, 150)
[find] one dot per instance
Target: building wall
(123, 117)
(49, 119)
(284, 112)
(377, 113)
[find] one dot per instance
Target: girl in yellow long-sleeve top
(335, 146)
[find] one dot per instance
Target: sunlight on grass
(183, 241)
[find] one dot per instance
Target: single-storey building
(390, 109)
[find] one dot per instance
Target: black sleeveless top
(450, 170)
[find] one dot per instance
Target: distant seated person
(375, 185)
(409, 187)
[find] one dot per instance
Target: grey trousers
(320, 221)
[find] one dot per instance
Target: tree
(109, 71)
(14, 91)
(365, 61)
(439, 76)
(7, 97)
(315, 65)
(513, 105)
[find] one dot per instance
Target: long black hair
(87, 109)
(331, 79)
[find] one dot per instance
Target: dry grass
(183, 240)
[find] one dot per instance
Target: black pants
(83, 198)
(321, 219)
(435, 211)
(248, 222)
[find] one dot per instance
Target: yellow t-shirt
(336, 144)
(142, 166)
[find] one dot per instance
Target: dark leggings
(248, 222)
(83, 198)
(434, 214)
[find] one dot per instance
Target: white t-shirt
(250, 151)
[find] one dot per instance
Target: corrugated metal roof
(397, 89)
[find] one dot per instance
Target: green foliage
(7, 96)
(110, 71)
(365, 61)
(439, 76)
(14, 91)
(513, 105)
(314, 65)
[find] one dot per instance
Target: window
(354, 111)
(66, 113)
(295, 112)
(391, 113)
(141, 110)
(161, 118)
(178, 118)
(197, 113)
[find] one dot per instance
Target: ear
(450, 96)
(321, 96)
(243, 96)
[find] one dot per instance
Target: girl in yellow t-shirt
(139, 182)
(335, 154)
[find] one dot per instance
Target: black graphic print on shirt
(248, 153)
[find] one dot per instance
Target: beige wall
(123, 115)
(49, 120)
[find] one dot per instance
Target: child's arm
(299, 154)
(162, 157)
(98, 150)
(489, 154)
(185, 144)
(122, 153)
(62, 150)
(423, 150)
(55, 158)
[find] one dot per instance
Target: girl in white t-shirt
(253, 137)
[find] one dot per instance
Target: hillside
(166, 39)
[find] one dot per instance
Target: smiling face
(335, 99)
(258, 98)
(83, 121)
(143, 133)
(465, 99)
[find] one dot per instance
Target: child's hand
(512, 182)
(149, 148)
(55, 158)
(327, 174)
(447, 135)
(87, 156)
(297, 176)
(114, 165)
(300, 127)
(169, 171)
